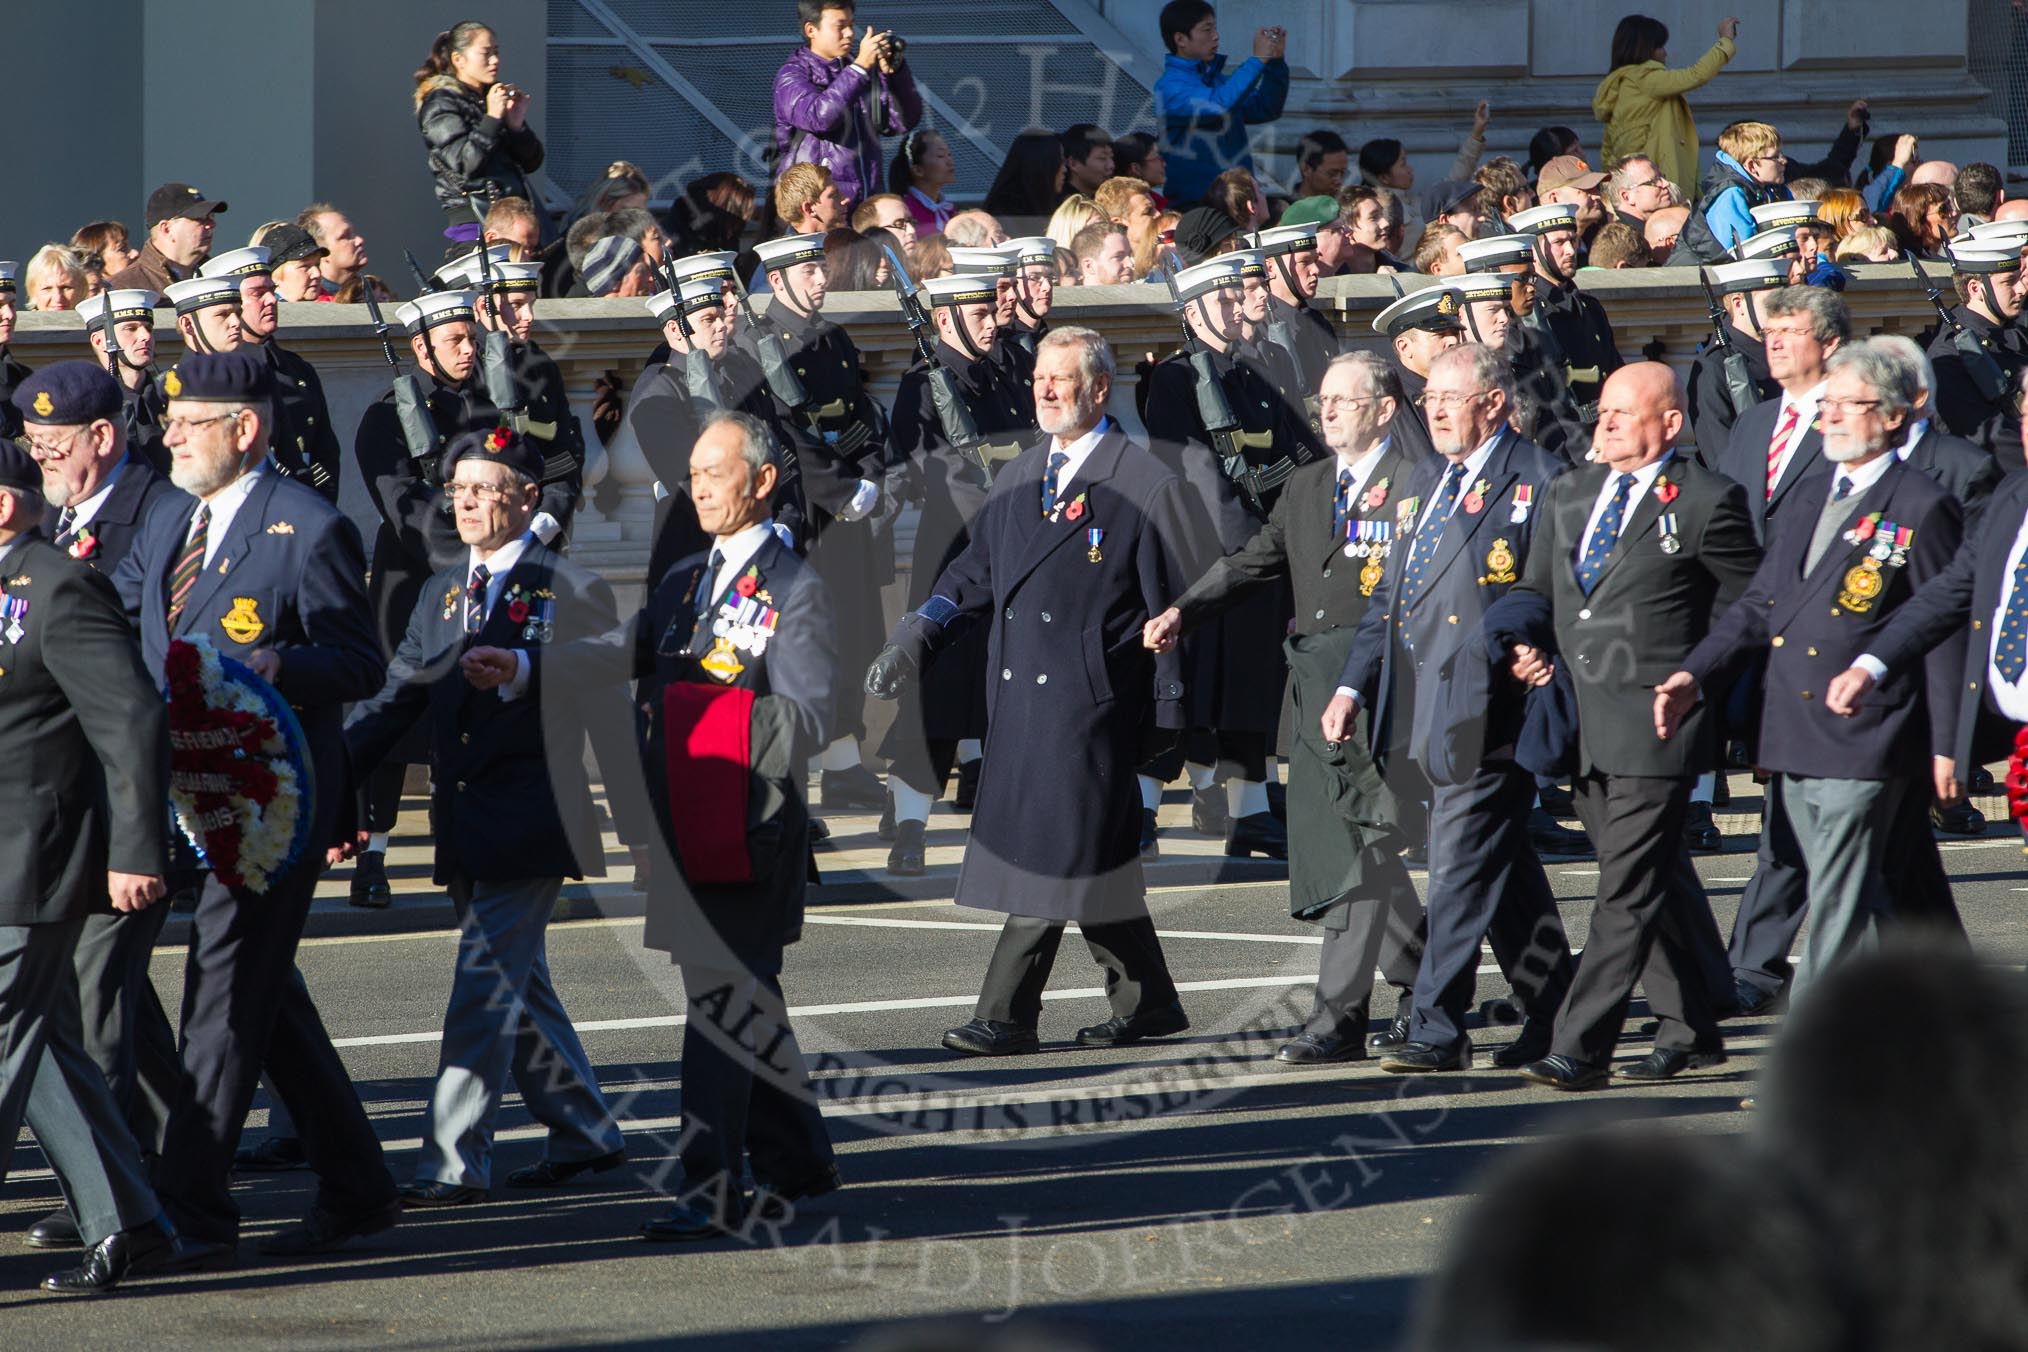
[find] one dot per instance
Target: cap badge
(242, 624)
(43, 405)
(172, 384)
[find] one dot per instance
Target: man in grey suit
(1826, 589)
(1463, 530)
(85, 777)
(513, 818)
(1635, 557)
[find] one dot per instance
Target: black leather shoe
(967, 795)
(1423, 1058)
(1415, 856)
(1556, 801)
(1532, 1045)
(272, 1155)
(1982, 780)
(369, 882)
(857, 790)
(1962, 820)
(1666, 1063)
(111, 1259)
(436, 1193)
(988, 1037)
(1257, 834)
(905, 860)
(778, 1204)
(57, 1230)
(321, 1231)
(558, 1173)
(1396, 1032)
(1207, 811)
(1554, 840)
(1313, 1049)
(1562, 1072)
(1149, 848)
(686, 1222)
(1119, 1030)
(884, 830)
(1753, 1001)
(1701, 833)
(1278, 799)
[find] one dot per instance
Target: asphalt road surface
(1185, 1193)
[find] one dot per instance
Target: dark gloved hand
(891, 673)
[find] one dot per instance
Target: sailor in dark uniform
(1034, 275)
(1294, 324)
(1543, 404)
(305, 445)
(1419, 327)
(1016, 363)
(130, 357)
(852, 495)
(12, 372)
(1980, 353)
(539, 407)
(1713, 405)
(942, 721)
(1577, 320)
(1233, 687)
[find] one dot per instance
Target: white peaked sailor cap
(1434, 308)
(438, 307)
(1750, 274)
(199, 293)
(1496, 252)
(126, 304)
(790, 250)
(1226, 270)
(961, 289)
(252, 261)
(1285, 239)
(1543, 220)
(1779, 242)
(1788, 212)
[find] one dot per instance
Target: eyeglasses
(185, 425)
(1645, 183)
(1838, 408)
(479, 492)
(1332, 401)
(1445, 402)
(50, 450)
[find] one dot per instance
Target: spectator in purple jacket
(832, 106)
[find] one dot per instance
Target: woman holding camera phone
(476, 127)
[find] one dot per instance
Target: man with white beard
(1074, 549)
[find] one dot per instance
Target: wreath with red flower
(84, 544)
(238, 779)
(2017, 781)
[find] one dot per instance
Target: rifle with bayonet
(1980, 366)
(1214, 410)
(496, 352)
(1740, 389)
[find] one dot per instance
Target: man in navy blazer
(513, 818)
(1830, 582)
(275, 577)
(1463, 533)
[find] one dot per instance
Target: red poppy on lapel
(1665, 492)
(746, 586)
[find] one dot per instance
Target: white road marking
(881, 922)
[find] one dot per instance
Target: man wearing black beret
(275, 577)
(512, 821)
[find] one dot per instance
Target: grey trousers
(46, 1078)
(1384, 932)
(1842, 827)
(505, 1018)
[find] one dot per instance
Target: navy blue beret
(502, 445)
(68, 394)
(221, 377)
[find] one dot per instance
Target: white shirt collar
(1643, 477)
(737, 550)
(81, 513)
(1863, 478)
(224, 506)
(1079, 451)
(1916, 431)
(500, 563)
(1806, 403)
(1362, 466)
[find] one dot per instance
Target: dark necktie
(2010, 645)
(1430, 533)
(712, 566)
(65, 520)
(1844, 489)
(190, 565)
(1052, 480)
(1341, 511)
(475, 599)
(1604, 536)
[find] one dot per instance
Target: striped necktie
(1779, 447)
(190, 565)
(475, 599)
(66, 520)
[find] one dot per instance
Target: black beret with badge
(501, 445)
(240, 377)
(68, 394)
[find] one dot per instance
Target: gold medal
(722, 662)
(1369, 577)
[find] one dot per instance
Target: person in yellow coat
(1641, 101)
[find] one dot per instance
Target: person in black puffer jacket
(475, 126)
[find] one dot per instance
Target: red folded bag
(707, 737)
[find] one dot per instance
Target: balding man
(1638, 554)
(1661, 230)
(2013, 209)
(1940, 172)
(975, 229)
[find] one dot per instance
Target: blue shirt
(1204, 118)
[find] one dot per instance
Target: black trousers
(1235, 755)
(241, 1011)
(126, 1030)
(1486, 882)
(1137, 977)
(1388, 934)
(1641, 924)
(746, 1091)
